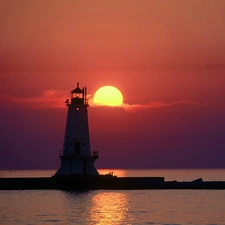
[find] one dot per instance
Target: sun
(108, 95)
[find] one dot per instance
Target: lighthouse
(76, 156)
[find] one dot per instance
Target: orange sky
(166, 57)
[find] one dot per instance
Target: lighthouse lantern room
(76, 156)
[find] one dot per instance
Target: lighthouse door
(77, 148)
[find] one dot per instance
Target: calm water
(165, 207)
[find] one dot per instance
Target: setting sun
(108, 95)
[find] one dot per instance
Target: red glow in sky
(166, 57)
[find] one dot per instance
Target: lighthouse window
(77, 148)
(77, 127)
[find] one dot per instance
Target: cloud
(134, 107)
(155, 104)
(56, 99)
(48, 99)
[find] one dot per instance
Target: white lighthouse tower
(76, 156)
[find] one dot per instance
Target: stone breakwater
(104, 182)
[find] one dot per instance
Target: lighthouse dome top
(77, 89)
(78, 96)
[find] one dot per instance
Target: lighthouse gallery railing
(93, 154)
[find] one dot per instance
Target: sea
(114, 207)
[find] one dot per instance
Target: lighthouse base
(76, 167)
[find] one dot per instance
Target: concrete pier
(104, 182)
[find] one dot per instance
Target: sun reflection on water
(109, 208)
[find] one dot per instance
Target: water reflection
(96, 207)
(46, 207)
(109, 208)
